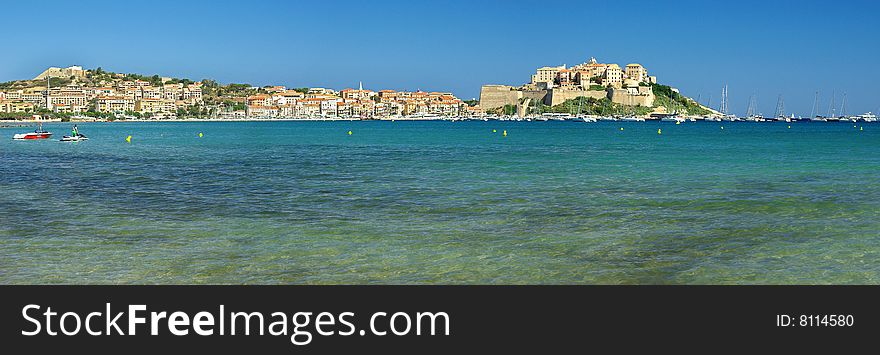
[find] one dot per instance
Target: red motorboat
(40, 133)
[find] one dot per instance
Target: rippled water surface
(442, 202)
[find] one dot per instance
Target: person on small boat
(75, 131)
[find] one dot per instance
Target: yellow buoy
(789, 127)
(200, 135)
(677, 122)
(621, 128)
(494, 131)
(659, 131)
(861, 128)
(349, 133)
(128, 139)
(505, 133)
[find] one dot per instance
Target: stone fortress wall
(53, 72)
(495, 96)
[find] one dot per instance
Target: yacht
(868, 117)
(583, 118)
(557, 116)
(674, 118)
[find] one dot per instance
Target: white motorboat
(868, 117)
(39, 133)
(585, 119)
(673, 119)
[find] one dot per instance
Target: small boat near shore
(730, 118)
(39, 133)
(583, 118)
(556, 116)
(676, 119)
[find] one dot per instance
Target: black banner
(436, 319)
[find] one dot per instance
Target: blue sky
(791, 48)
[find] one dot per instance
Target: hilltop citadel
(551, 86)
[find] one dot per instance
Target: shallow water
(442, 202)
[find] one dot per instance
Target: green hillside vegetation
(100, 77)
(593, 106)
(13, 85)
(665, 97)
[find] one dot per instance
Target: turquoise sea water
(442, 202)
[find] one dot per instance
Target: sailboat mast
(580, 103)
(48, 88)
(780, 106)
(631, 108)
(757, 110)
(814, 111)
(751, 110)
(831, 109)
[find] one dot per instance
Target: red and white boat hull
(33, 135)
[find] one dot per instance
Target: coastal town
(74, 92)
(589, 92)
